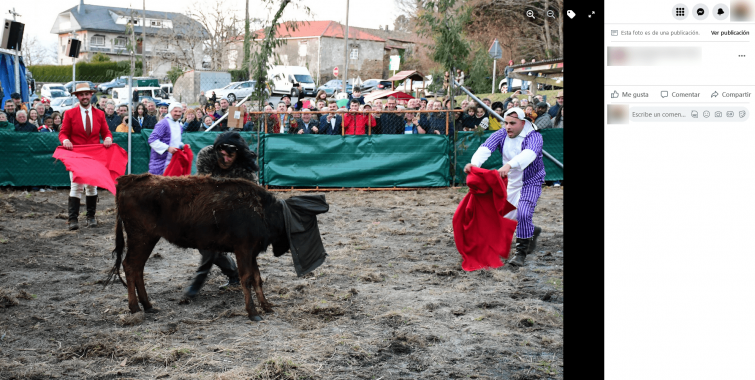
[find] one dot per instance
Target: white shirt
(512, 154)
(83, 116)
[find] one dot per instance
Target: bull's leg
(243, 261)
(266, 306)
(139, 249)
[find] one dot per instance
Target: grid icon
(680, 12)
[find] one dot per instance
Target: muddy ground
(391, 301)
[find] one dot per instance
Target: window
(156, 23)
(98, 40)
(354, 53)
(120, 42)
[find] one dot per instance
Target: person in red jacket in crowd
(83, 125)
(353, 123)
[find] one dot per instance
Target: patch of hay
(132, 319)
(373, 277)
(23, 294)
(281, 368)
(99, 348)
(7, 299)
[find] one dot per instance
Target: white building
(102, 29)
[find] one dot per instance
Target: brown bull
(225, 215)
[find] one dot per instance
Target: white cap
(516, 110)
(171, 106)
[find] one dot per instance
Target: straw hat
(82, 87)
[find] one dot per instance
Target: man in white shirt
(522, 152)
(165, 140)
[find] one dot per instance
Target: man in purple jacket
(522, 151)
(165, 140)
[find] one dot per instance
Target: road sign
(495, 50)
(395, 61)
(335, 71)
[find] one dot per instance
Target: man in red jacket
(83, 125)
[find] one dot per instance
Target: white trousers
(78, 188)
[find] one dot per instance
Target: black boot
(91, 209)
(533, 244)
(201, 276)
(522, 246)
(73, 213)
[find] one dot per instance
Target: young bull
(225, 215)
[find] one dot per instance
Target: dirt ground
(390, 302)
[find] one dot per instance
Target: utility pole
(145, 72)
(346, 51)
(130, 85)
(73, 36)
(16, 70)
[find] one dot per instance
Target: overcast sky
(39, 15)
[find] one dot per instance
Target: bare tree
(182, 41)
(34, 52)
(402, 24)
(222, 26)
(521, 36)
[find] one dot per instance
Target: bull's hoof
(255, 318)
(152, 310)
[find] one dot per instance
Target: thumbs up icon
(614, 94)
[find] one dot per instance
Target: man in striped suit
(522, 150)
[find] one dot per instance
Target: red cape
(180, 163)
(93, 164)
(481, 233)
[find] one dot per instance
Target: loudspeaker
(13, 34)
(72, 49)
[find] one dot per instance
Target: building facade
(102, 29)
(319, 46)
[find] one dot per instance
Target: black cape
(300, 215)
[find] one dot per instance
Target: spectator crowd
(318, 115)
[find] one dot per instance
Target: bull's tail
(118, 251)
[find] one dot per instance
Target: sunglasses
(228, 148)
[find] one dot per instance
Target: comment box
(690, 114)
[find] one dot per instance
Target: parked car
(108, 87)
(167, 88)
(235, 90)
(55, 94)
(69, 85)
(334, 85)
(376, 84)
(292, 80)
(45, 91)
(64, 103)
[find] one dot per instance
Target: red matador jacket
(481, 233)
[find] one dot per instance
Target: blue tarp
(7, 78)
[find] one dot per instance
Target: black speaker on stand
(13, 35)
(72, 49)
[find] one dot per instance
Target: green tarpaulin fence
(291, 160)
(357, 161)
(468, 142)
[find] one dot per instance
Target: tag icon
(570, 13)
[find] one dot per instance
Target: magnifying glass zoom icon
(550, 14)
(530, 14)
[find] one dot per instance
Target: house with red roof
(319, 46)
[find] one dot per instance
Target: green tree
(265, 48)
(479, 77)
(444, 22)
(100, 57)
(174, 73)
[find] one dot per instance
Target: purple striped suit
(533, 177)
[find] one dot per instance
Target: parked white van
(292, 80)
(120, 95)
